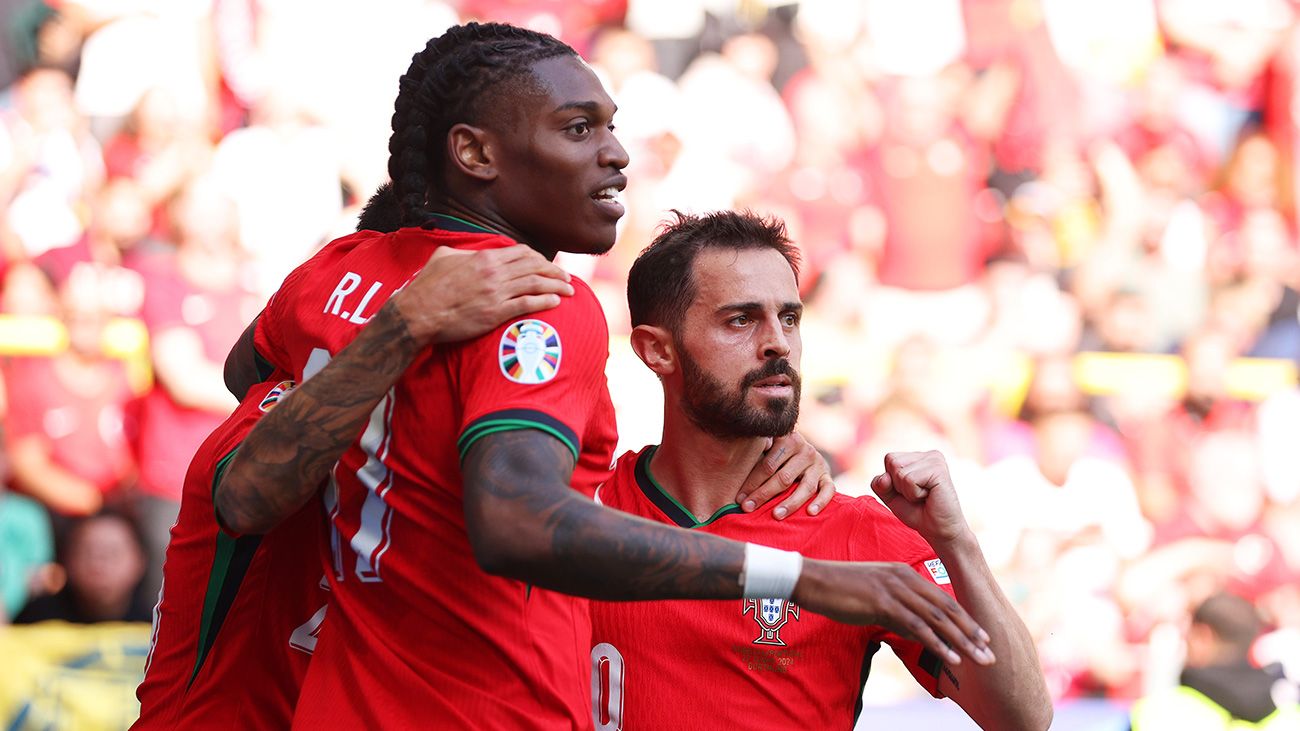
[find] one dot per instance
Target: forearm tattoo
(516, 492)
(292, 448)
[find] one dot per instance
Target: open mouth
(607, 199)
(774, 386)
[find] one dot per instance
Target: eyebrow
(589, 107)
(750, 306)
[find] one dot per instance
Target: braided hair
(449, 82)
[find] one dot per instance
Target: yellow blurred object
(125, 338)
(128, 339)
(1110, 373)
(67, 676)
(1250, 379)
(31, 335)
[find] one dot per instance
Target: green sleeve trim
(220, 470)
(512, 419)
(230, 562)
(478, 431)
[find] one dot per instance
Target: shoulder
(576, 325)
(223, 440)
(583, 306)
(878, 535)
(622, 481)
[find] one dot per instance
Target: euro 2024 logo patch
(529, 352)
(273, 396)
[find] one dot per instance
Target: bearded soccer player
(715, 309)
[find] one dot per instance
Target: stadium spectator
(49, 161)
(26, 550)
(67, 432)
(103, 557)
(1220, 687)
(159, 150)
(195, 305)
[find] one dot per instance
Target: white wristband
(769, 573)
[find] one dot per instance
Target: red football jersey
(419, 636)
(237, 617)
(747, 663)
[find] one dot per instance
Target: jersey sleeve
(879, 536)
(544, 371)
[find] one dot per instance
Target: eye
(790, 319)
(580, 129)
(740, 320)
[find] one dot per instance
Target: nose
(775, 342)
(612, 154)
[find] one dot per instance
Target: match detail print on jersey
(530, 352)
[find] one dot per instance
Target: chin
(593, 243)
(594, 247)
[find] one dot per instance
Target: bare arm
(241, 370)
(1011, 694)
(525, 522)
(44, 479)
(185, 371)
(283, 460)
(291, 450)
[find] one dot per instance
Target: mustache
(775, 367)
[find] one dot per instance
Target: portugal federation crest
(530, 352)
(771, 615)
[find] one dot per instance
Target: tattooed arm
(290, 451)
(525, 522)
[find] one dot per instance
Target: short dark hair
(660, 285)
(382, 212)
(1233, 619)
(70, 533)
(452, 80)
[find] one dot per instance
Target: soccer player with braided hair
(463, 525)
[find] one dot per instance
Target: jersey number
(304, 635)
(607, 687)
(371, 540)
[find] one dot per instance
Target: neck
(701, 471)
(104, 609)
(488, 219)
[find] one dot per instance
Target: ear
(654, 346)
(1199, 645)
(469, 152)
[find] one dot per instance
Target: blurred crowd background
(1055, 240)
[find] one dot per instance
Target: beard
(722, 412)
